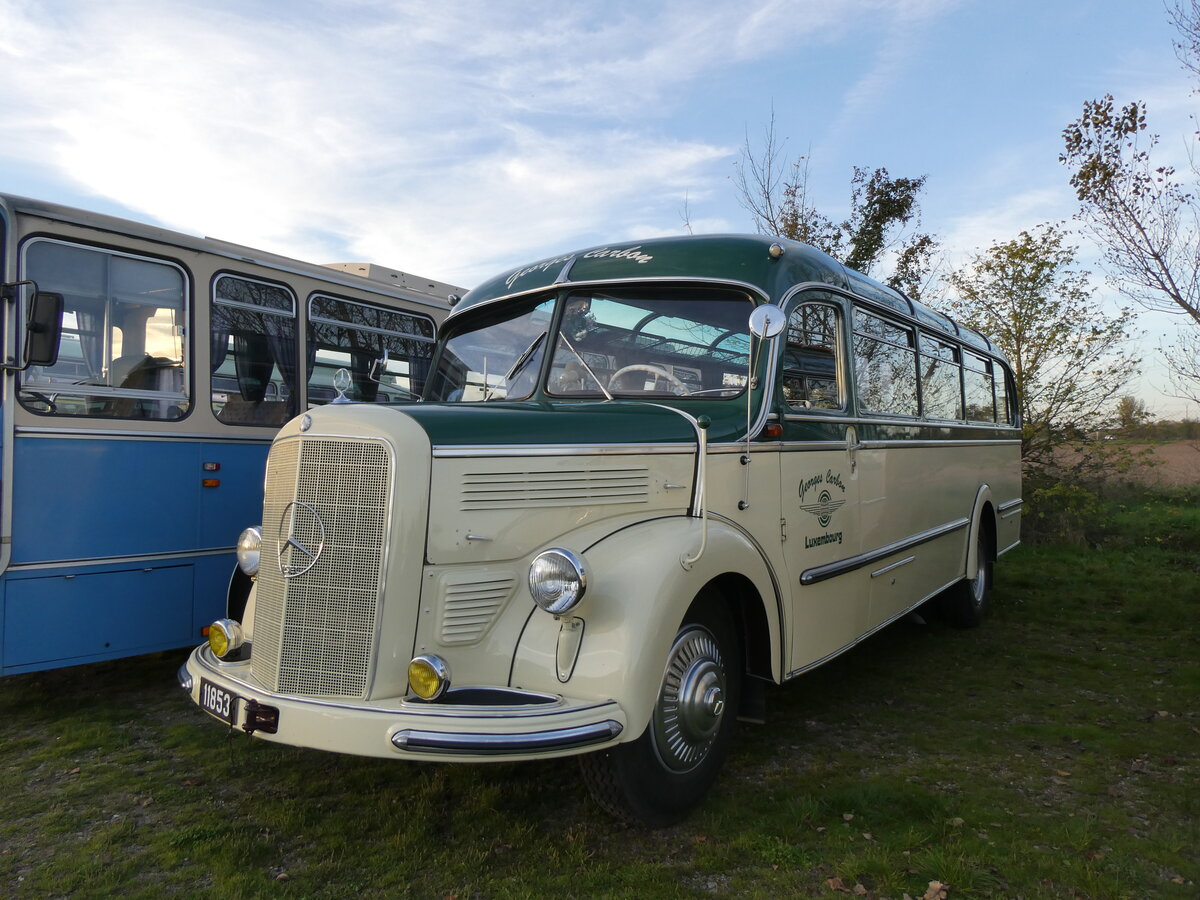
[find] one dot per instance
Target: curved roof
(771, 266)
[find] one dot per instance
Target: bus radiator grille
(314, 632)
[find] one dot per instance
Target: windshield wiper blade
(524, 357)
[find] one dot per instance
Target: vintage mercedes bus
(644, 480)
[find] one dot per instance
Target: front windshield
(498, 359)
(627, 343)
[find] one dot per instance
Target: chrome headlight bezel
(435, 669)
(557, 580)
(225, 638)
(249, 550)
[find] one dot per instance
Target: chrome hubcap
(691, 703)
(979, 585)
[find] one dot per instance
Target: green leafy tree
(1069, 359)
(1132, 414)
(884, 213)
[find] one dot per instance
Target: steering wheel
(653, 370)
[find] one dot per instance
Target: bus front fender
(638, 595)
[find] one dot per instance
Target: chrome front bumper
(535, 726)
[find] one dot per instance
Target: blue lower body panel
(56, 617)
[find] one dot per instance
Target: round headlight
(557, 580)
(249, 542)
(224, 637)
(428, 676)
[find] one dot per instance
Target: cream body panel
(910, 488)
(633, 609)
(820, 496)
(502, 508)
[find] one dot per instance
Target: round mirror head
(767, 321)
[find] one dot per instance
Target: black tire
(659, 778)
(964, 605)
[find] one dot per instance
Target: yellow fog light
(224, 637)
(428, 676)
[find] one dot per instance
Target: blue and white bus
(135, 419)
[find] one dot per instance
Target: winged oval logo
(824, 508)
(301, 539)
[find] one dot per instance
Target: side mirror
(43, 328)
(767, 321)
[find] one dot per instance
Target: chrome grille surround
(315, 633)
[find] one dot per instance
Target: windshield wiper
(524, 357)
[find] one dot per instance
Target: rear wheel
(964, 604)
(658, 778)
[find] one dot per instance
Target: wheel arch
(637, 601)
(983, 519)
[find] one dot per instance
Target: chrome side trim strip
(895, 565)
(1011, 546)
(1011, 508)
(927, 444)
(91, 434)
(177, 557)
(485, 450)
(452, 743)
(843, 566)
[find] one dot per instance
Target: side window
(1005, 399)
(809, 366)
(977, 388)
(348, 334)
(941, 396)
(122, 350)
(885, 365)
(254, 362)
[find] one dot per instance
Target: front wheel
(658, 778)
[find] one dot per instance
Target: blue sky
(457, 139)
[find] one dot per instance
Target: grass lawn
(1052, 753)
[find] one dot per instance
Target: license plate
(217, 701)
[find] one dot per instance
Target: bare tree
(1142, 213)
(1186, 19)
(884, 212)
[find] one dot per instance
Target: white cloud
(449, 139)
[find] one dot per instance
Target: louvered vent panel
(470, 606)
(537, 489)
(319, 626)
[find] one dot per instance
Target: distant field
(1176, 464)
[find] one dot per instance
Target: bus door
(909, 485)
(820, 486)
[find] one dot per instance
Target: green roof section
(740, 258)
(771, 266)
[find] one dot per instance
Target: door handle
(853, 445)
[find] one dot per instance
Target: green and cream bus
(644, 480)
